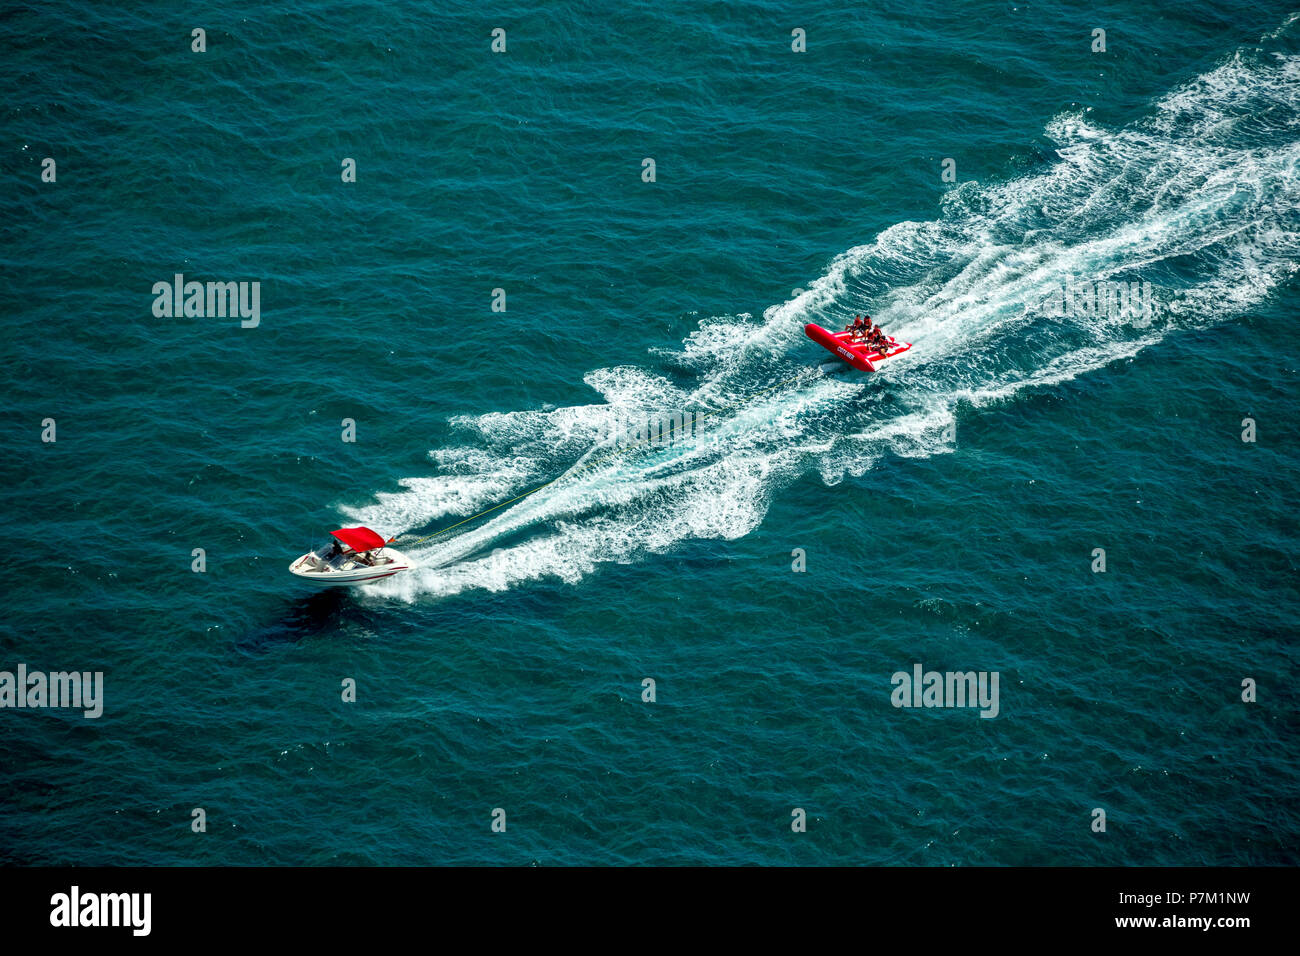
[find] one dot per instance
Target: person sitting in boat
(861, 329)
(335, 551)
(853, 327)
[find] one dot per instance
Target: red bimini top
(359, 539)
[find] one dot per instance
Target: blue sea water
(947, 509)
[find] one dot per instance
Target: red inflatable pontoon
(861, 356)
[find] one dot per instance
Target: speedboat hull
(349, 570)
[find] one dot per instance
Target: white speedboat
(358, 556)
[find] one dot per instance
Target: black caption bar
(333, 906)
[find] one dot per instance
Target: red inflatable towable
(860, 355)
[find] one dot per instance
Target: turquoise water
(947, 508)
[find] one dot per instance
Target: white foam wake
(1200, 199)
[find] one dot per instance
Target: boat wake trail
(1198, 201)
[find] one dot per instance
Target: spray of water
(1199, 199)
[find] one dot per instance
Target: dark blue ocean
(508, 291)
